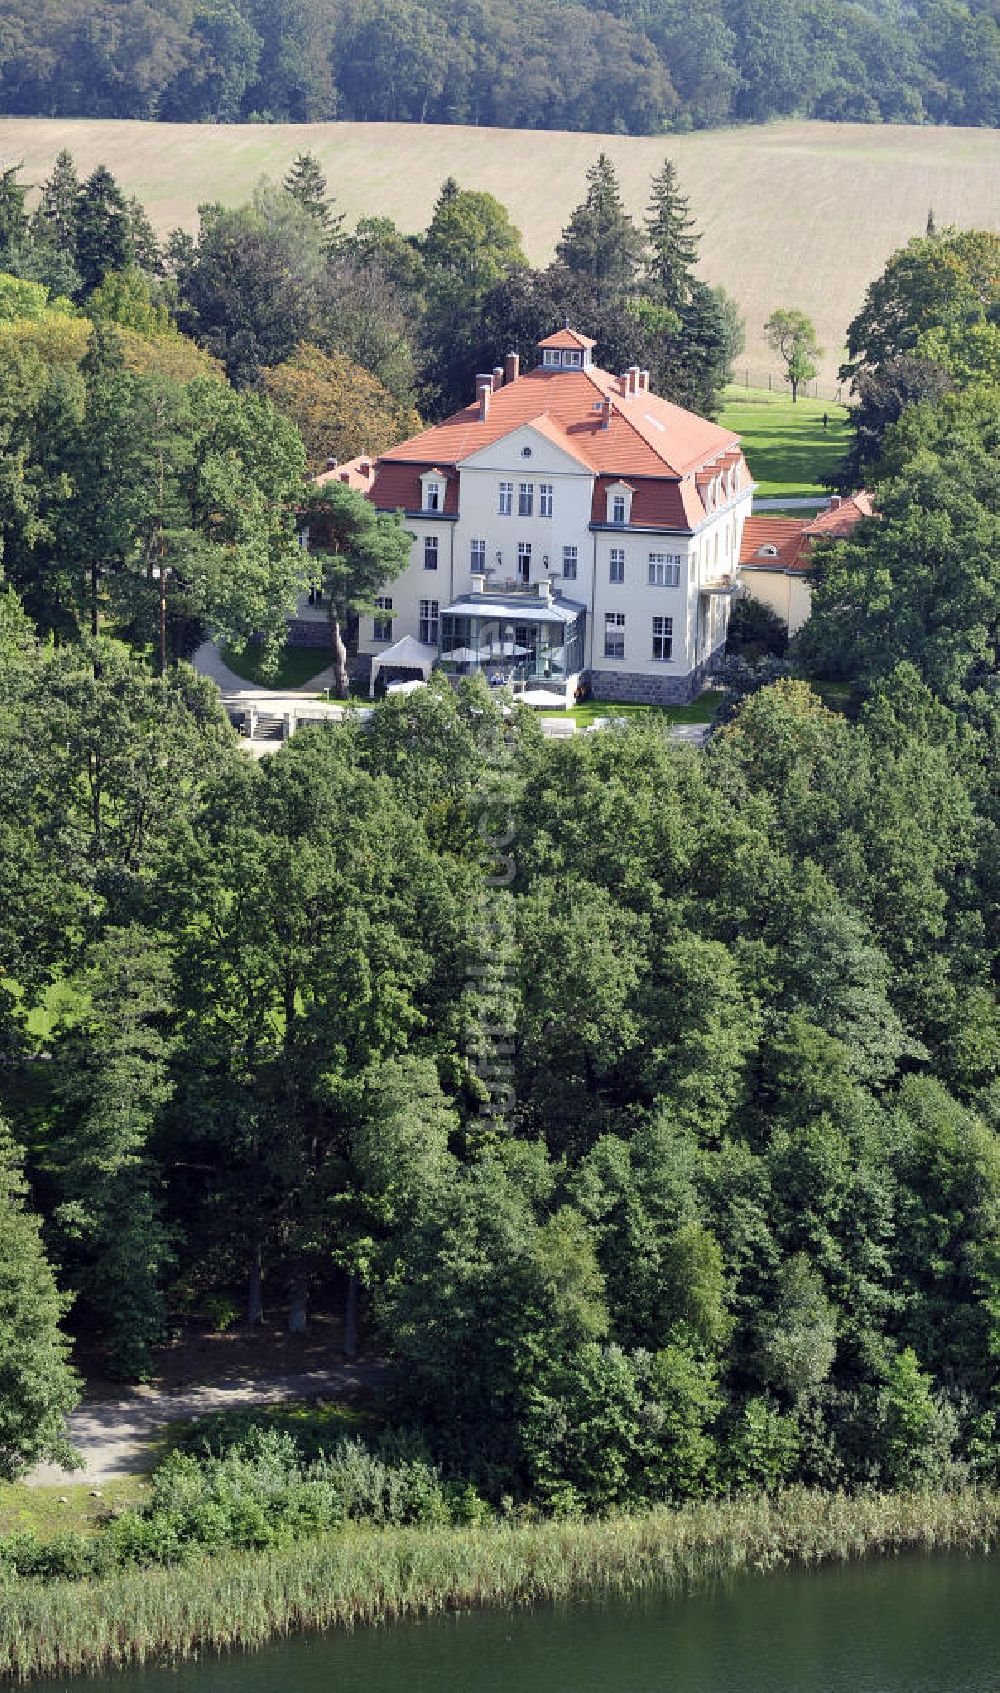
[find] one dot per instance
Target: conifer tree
(145, 248)
(13, 220)
(54, 220)
(673, 243)
(600, 244)
(37, 1385)
(307, 184)
(103, 239)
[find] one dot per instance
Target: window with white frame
(524, 561)
(505, 504)
(430, 552)
(616, 569)
(619, 497)
(382, 627)
(573, 356)
(433, 496)
(664, 570)
(570, 557)
(427, 627)
(551, 356)
(545, 499)
(614, 634)
(477, 555)
(663, 639)
(525, 498)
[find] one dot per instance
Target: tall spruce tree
(37, 1385)
(13, 218)
(307, 184)
(673, 243)
(54, 220)
(601, 244)
(103, 239)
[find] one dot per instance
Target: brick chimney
(512, 367)
(606, 409)
(497, 377)
(484, 391)
(331, 463)
(836, 501)
(643, 382)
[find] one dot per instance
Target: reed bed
(363, 1576)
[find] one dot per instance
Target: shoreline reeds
(359, 1577)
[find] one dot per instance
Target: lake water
(905, 1626)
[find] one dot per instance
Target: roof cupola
(567, 349)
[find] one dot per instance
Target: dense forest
(635, 66)
(639, 1102)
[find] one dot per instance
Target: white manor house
(569, 527)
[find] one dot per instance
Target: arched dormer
(619, 504)
(432, 485)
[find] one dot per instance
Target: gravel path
(117, 1437)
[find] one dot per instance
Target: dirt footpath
(118, 1437)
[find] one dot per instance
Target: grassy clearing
(701, 710)
(69, 1508)
(362, 1576)
(788, 450)
(778, 227)
(296, 668)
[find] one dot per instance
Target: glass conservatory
(513, 639)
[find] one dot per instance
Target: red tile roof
(644, 435)
(656, 503)
(838, 521)
(775, 542)
(567, 338)
(358, 473)
(397, 486)
(792, 537)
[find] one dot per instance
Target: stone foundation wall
(305, 632)
(623, 687)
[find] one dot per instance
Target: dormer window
(767, 552)
(432, 485)
(619, 504)
(573, 358)
(552, 357)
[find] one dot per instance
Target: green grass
(364, 1576)
(296, 667)
(789, 452)
(66, 1508)
(701, 710)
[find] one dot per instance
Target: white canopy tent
(542, 698)
(405, 654)
(396, 688)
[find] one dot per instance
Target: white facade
(522, 510)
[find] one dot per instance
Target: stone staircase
(269, 727)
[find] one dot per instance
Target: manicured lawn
(788, 450)
(701, 710)
(296, 667)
